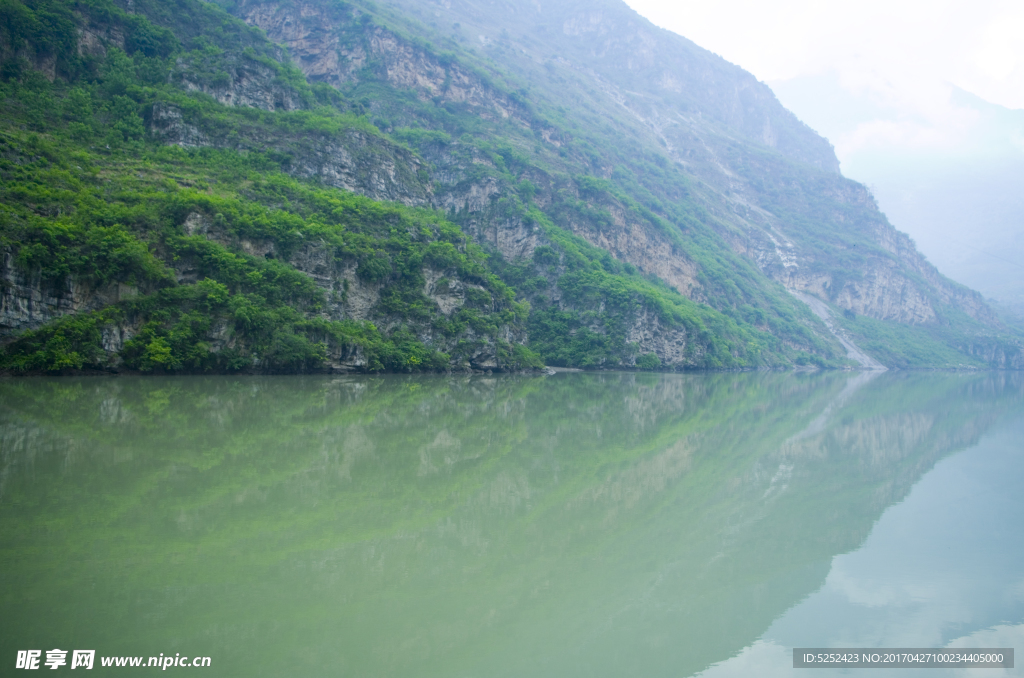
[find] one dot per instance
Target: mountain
(959, 201)
(463, 185)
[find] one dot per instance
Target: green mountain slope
(182, 194)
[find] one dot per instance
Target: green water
(571, 525)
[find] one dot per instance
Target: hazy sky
(900, 56)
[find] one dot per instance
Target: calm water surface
(573, 525)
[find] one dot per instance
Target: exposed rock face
(357, 162)
(853, 352)
(669, 344)
(166, 122)
(351, 298)
(470, 201)
(891, 280)
(26, 302)
(354, 160)
(449, 295)
(948, 291)
(246, 82)
(640, 244)
(896, 283)
(883, 293)
(630, 239)
(94, 40)
(311, 34)
(472, 205)
(886, 292)
(333, 45)
(510, 236)
(654, 73)
(306, 30)
(1003, 355)
(658, 73)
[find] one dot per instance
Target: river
(578, 524)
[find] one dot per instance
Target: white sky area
(900, 56)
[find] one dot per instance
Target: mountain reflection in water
(581, 524)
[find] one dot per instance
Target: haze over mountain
(922, 101)
(460, 184)
(961, 201)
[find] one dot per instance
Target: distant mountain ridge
(959, 200)
(655, 73)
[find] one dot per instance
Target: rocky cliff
(352, 159)
(650, 72)
(812, 232)
(639, 201)
(28, 302)
(338, 44)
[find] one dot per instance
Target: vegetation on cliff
(118, 219)
(91, 199)
(177, 196)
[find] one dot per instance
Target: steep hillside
(566, 185)
(176, 197)
(595, 90)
